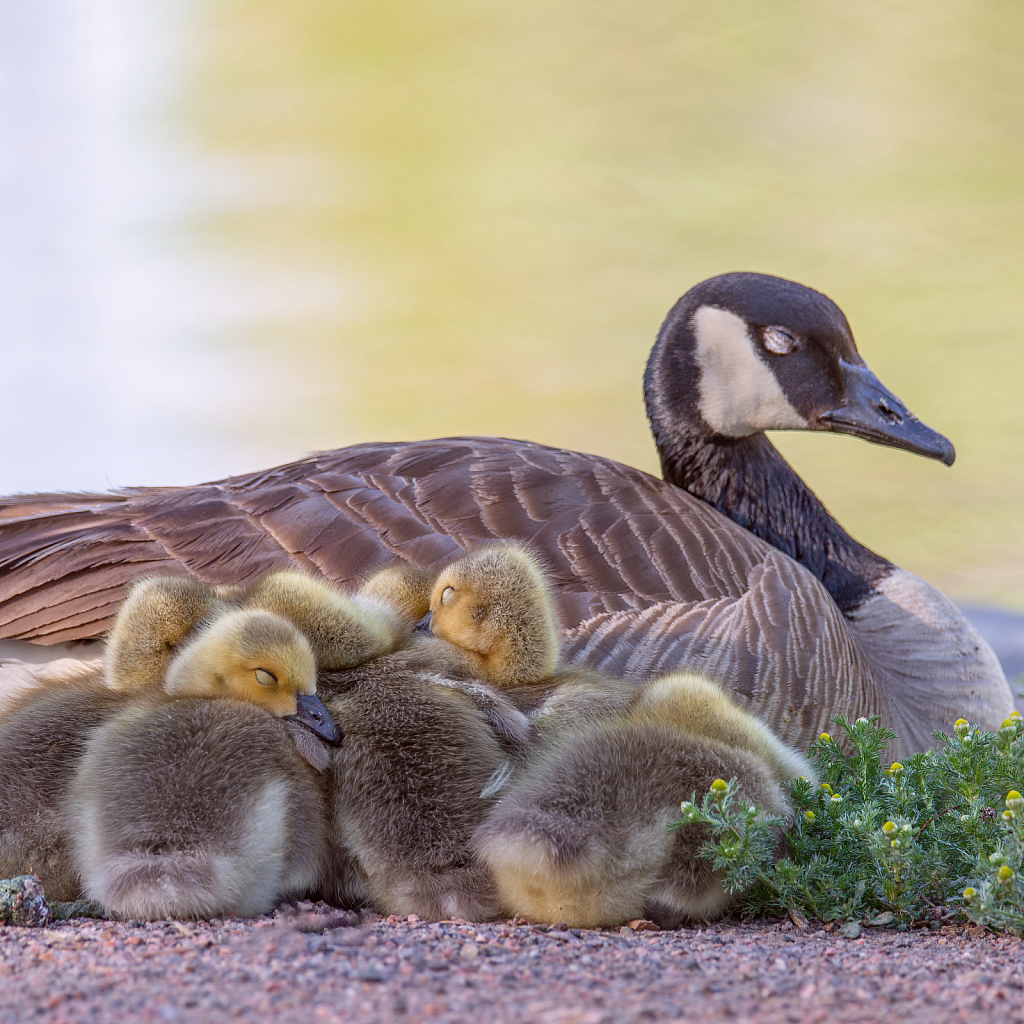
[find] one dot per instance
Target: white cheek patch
(739, 395)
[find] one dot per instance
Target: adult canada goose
(730, 565)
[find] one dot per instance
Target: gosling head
(255, 656)
(495, 603)
(742, 353)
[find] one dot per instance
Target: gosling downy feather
(581, 833)
(409, 787)
(495, 605)
(154, 621)
(343, 629)
(196, 808)
(729, 566)
(42, 740)
(698, 705)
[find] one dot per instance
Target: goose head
(255, 656)
(495, 603)
(743, 353)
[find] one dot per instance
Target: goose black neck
(748, 480)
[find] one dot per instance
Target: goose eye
(447, 595)
(265, 678)
(779, 340)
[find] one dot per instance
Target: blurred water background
(235, 232)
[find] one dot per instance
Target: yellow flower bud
(1014, 801)
(960, 726)
(809, 815)
(1015, 716)
(861, 721)
(895, 767)
(825, 738)
(1007, 815)
(719, 786)
(969, 893)
(888, 827)
(1008, 723)
(836, 798)
(1005, 875)
(827, 788)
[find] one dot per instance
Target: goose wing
(648, 577)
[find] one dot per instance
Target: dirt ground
(319, 966)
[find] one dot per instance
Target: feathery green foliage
(938, 836)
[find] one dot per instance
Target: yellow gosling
(495, 605)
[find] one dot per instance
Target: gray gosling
(581, 833)
(195, 809)
(246, 655)
(410, 783)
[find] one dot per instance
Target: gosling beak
(423, 626)
(874, 413)
(311, 713)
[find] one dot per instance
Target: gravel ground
(325, 966)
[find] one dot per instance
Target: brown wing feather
(649, 577)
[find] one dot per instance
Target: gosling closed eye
(447, 595)
(265, 678)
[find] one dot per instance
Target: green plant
(940, 835)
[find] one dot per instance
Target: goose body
(729, 565)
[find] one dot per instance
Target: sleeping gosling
(195, 809)
(581, 832)
(410, 784)
(494, 605)
(246, 655)
(344, 630)
(492, 614)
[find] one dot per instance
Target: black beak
(423, 626)
(874, 413)
(311, 713)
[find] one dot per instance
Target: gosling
(581, 833)
(195, 809)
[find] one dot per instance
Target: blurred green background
(506, 198)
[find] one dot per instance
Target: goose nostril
(889, 413)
